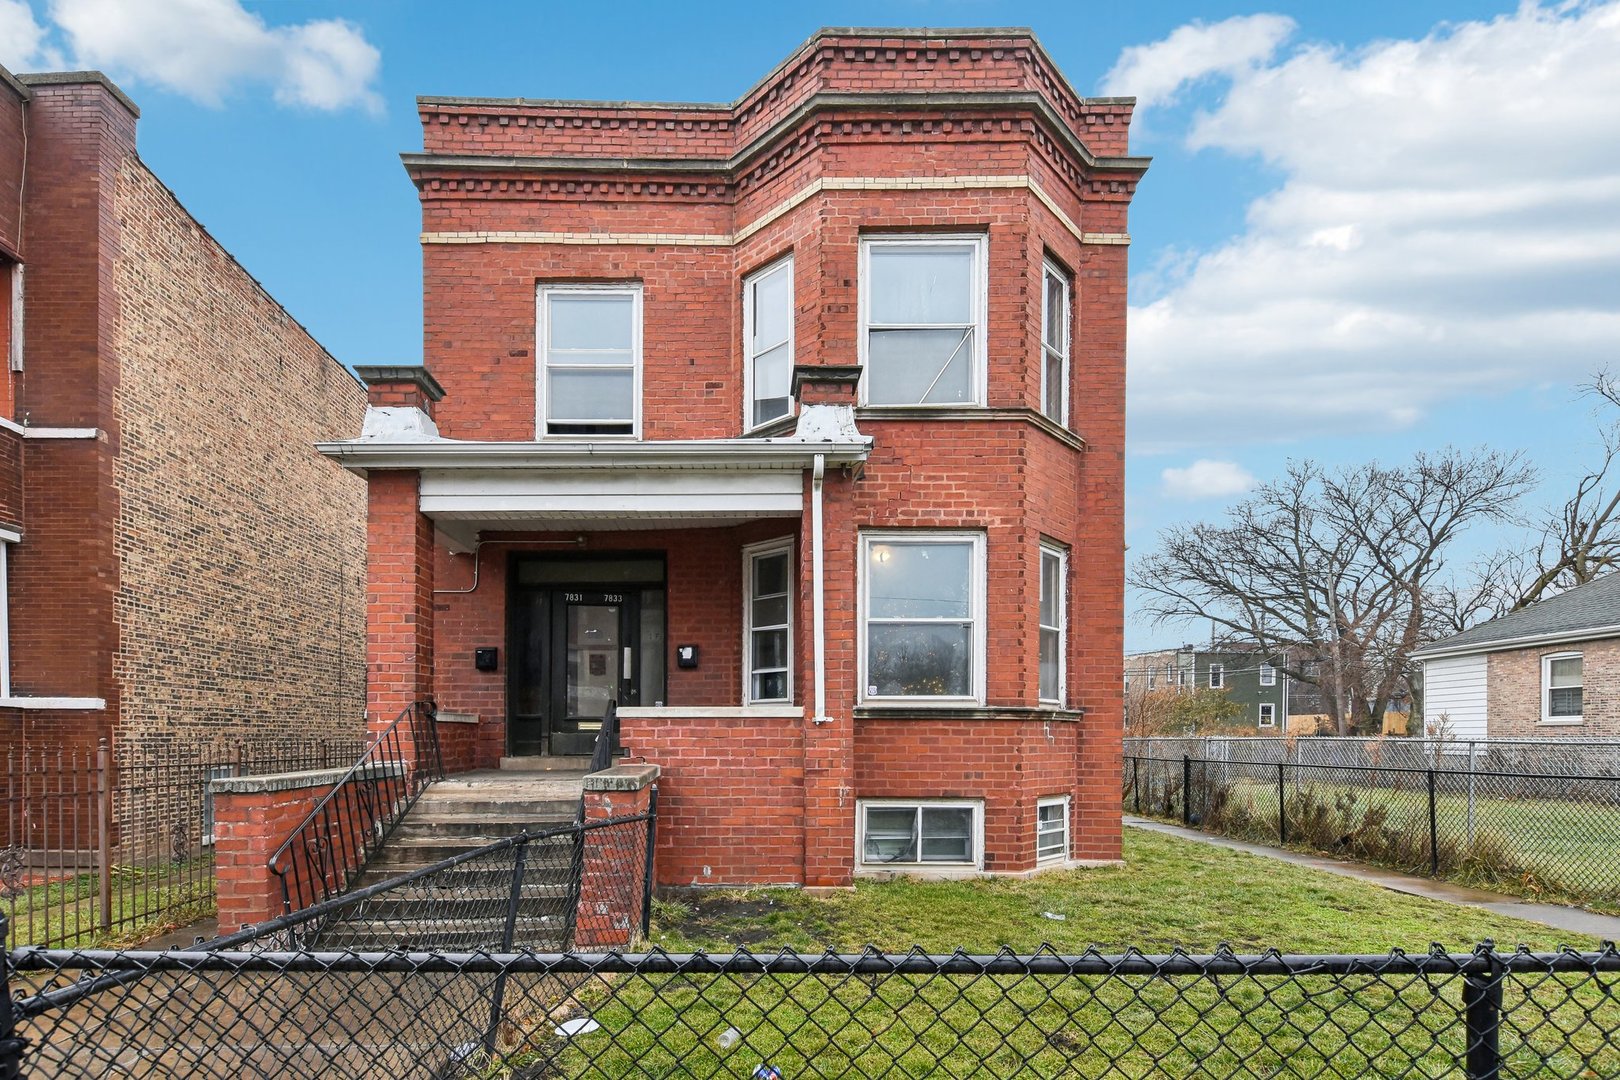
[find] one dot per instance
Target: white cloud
(22, 39)
(1206, 479)
(206, 49)
(1447, 222)
(1155, 73)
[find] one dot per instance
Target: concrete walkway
(1574, 920)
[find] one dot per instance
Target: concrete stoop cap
(622, 778)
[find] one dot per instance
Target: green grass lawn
(66, 913)
(1554, 849)
(1171, 893)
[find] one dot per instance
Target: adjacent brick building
(1550, 670)
(179, 564)
(793, 427)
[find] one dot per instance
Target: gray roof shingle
(1593, 606)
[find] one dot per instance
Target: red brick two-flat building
(178, 566)
(794, 428)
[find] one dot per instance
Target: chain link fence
(1550, 835)
(227, 1013)
(1559, 757)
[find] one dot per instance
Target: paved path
(1574, 920)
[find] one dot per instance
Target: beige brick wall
(1513, 692)
(241, 606)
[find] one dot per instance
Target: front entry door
(593, 664)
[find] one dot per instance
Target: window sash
(961, 342)
(1052, 829)
(1268, 714)
(953, 686)
(576, 366)
(1268, 675)
(756, 676)
(1055, 351)
(935, 834)
(1217, 676)
(762, 410)
(1053, 621)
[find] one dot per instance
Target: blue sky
(1369, 229)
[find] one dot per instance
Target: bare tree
(1335, 572)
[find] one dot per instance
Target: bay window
(1055, 323)
(922, 610)
(768, 343)
(922, 335)
(1053, 621)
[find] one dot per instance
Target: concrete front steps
(466, 907)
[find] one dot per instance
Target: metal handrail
(352, 821)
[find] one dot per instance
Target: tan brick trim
(829, 183)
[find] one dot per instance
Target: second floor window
(768, 342)
(589, 374)
(922, 320)
(1217, 676)
(1268, 675)
(1055, 345)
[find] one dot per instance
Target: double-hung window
(1268, 675)
(922, 606)
(922, 302)
(1055, 321)
(1268, 714)
(1053, 620)
(768, 616)
(1217, 676)
(589, 374)
(1562, 689)
(768, 342)
(895, 834)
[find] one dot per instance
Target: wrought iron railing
(330, 848)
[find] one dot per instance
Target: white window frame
(752, 552)
(976, 609)
(784, 264)
(542, 358)
(1268, 709)
(5, 618)
(1217, 676)
(1040, 804)
(1062, 627)
(1546, 688)
(978, 375)
(976, 831)
(1268, 675)
(1052, 269)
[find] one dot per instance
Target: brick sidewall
(248, 827)
(1513, 692)
(613, 872)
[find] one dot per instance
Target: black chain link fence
(528, 1014)
(1536, 833)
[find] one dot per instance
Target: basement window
(1052, 829)
(896, 835)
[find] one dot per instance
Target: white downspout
(817, 598)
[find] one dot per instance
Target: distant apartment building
(1251, 679)
(177, 563)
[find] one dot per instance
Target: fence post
(647, 868)
(1136, 781)
(104, 833)
(1282, 806)
(1471, 746)
(1482, 1017)
(11, 1047)
(1434, 832)
(497, 997)
(1186, 789)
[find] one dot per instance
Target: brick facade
(904, 133)
(188, 568)
(1513, 692)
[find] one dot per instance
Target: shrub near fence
(1533, 833)
(104, 842)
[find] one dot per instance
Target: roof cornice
(953, 101)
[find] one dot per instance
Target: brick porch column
(399, 597)
(613, 867)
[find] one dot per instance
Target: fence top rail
(1484, 960)
(1386, 740)
(1409, 769)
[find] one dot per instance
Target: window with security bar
(1052, 828)
(923, 315)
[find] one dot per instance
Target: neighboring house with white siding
(1550, 669)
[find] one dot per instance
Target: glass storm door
(593, 664)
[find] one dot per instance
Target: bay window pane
(773, 381)
(929, 581)
(1051, 588)
(770, 686)
(770, 611)
(772, 315)
(770, 648)
(770, 574)
(914, 367)
(920, 659)
(590, 395)
(584, 321)
(913, 285)
(1057, 303)
(1053, 405)
(1050, 644)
